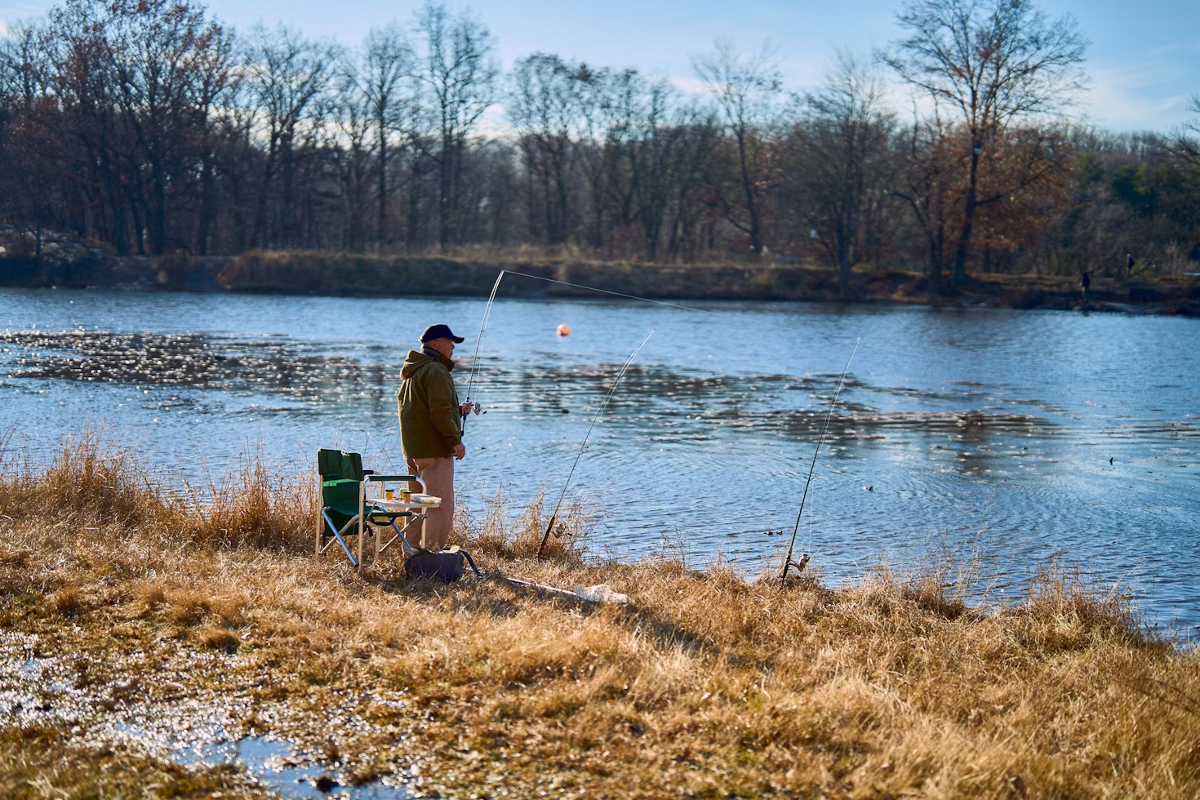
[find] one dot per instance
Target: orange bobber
(564, 330)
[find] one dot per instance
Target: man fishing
(431, 426)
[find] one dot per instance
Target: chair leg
(362, 528)
(338, 535)
(362, 519)
(320, 522)
(408, 548)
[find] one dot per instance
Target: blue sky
(1144, 58)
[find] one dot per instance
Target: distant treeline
(150, 127)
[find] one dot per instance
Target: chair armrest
(391, 477)
(368, 472)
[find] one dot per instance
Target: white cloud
(11, 14)
(1150, 96)
(690, 85)
(803, 75)
(494, 123)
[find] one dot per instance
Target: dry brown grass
(525, 254)
(705, 686)
(509, 534)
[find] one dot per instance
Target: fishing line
(619, 294)
(791, 547)
(496, 286)
(595, 419)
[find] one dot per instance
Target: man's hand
(466, 408)
(460, 450)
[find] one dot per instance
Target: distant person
(431, 427)
(1087, 282)
(1129, 265)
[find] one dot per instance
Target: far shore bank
(350, 275)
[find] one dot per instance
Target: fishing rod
(787, 563)
(553, 517)
(478, 340)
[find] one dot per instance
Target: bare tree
(990, 63)
(745, 88)
(927, 185)
(83, 84)
(842, 161)
(31, 169)
(696, 149)
(214, 88)
(131, 122)
(286, 74)
(387, 67)
(1187, 145)
(459, 74)
(600, 108)
(22, 69)
(656, 159)
(170, 64)
(544, 105)
(350, 108)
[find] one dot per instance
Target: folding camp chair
(347, 511)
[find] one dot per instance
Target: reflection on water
(1015, 436)
(275, 765)
(186, 360)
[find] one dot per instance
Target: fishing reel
(476, 409)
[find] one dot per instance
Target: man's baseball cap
(439, 332)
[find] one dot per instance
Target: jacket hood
(415, 360)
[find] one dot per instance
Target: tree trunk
(381, 229)
(936, 245)
(969, 206)
(444, 196)
(751, 207)
(260, 210)
(157, 211)
(207, 206)
(843, 247)
(414, 203)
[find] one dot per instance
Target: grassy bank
(471, 271)
(161, 613)
(363, 275)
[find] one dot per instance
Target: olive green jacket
(430, 418)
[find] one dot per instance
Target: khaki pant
(438, 474)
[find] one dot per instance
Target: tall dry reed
(512, 534)
(99, 482)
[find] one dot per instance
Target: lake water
(1019, 436)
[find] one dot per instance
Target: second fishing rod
(558, 506)
(788, 561)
